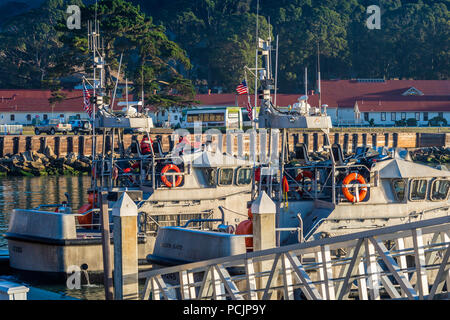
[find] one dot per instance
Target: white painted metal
(380, 273)
(419, 257)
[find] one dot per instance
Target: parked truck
(52, 126)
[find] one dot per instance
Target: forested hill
(413, 41)
(210, 41)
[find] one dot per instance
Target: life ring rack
(358, 196)
(171, 167)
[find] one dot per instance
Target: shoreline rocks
(32, 163)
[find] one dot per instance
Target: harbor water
(30, 192)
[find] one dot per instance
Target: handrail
(368, 265)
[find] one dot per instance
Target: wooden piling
(106, 248)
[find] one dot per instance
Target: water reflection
(29, 192)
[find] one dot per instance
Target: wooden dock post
(264, 234)
(106, 247)
(125, 214)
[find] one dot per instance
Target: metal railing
(408, 261)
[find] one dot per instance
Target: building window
(383, 116)
(45, 117)
(366, 116)
(441, 114)
(28, 117)
(393, 116)
(403, 115)
(12, 117)
(78, 116)
(175, 118)
(418, 116)
(425, 116)
(61, 116)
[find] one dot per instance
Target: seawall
(82, 145)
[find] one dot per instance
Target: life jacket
(146, 145)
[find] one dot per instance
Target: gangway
(408, 261)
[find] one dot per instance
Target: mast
(256, 66)
(306, 81)
(318, 75)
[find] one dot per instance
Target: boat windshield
(439, 190)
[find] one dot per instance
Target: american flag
(242, 88)
(87, 101)
(250, 113)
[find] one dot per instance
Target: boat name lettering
(172, 246)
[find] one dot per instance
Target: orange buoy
(86, 219)
(171, 167)
(285, 185)
(301, 177)
(362, 192)
(244, 228)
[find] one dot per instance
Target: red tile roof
(37, 101)
(229, 99)
(387, 96)
(371, 96)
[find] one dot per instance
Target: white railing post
(125, 249)
(419, 257)
(264, 211)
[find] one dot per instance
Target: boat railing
(111, 169)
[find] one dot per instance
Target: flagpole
(248, 101)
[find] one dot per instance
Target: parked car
(52, 126)
(81, 126)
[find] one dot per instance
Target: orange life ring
(164, 178)
(86, 219)
(301, 177)
(244, 228)
(362, 192)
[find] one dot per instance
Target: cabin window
(226, 177)
(244, 176)
(439, 190)
(418, 190)
(211, 176)
(383, 116)
(399, 187)
(12, 117)
(403, 115)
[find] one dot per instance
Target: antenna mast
(318, 77)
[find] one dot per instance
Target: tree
(150, 59)
(218, 35)
(30, 45)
